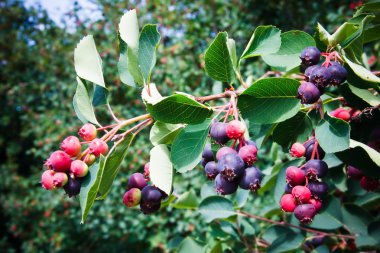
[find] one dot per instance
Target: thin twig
(112, 114)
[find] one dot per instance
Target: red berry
(71, 145)
(60, 161)
(79, 168)
(297, 150)
(249, 154)
(295, 176)
(369, 184)
(47, 179)
(98, 147)
(316, 203)
(89, 159)
(132, 197)
(235, 129)
(288, 203)
(60, 179)
(88, 132)
(341, 113)
(301, 194)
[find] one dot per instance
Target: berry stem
(315, 150)
(234, 107)
(112, 114)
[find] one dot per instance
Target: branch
(225, 94)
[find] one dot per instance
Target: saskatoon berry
(305, 213)
(309, 146)
(132, 197)
(149, 208)
(338, 73)
(88, 132)
(60, 179)
(249, 154)
(310, 56)
(203, 162)
(71, 146)
(231, 166)
(316, 203)
(251, 179)
(318, 189)
(72, 188)
(235, 129)
(136, 180)
(79, 168)
(224, 151)
(354, 173)
(301, 194)
(47, 179)
(98, 147)
(295, 176)
(369, 184)
(224, 186)
(315, 169)
(218, 132)
(211, 170)
(246, 142)
(288, 189)
(89, 159)
(60, 161)
(320, 77)
(297, 150)
(309, 70)
(308, 93)
(287, 203)
(341, 113)
(150, 200)
(207, 154)
(315, 242)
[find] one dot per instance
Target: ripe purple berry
(308, 93)
(72, 188)
(218, 132)
(251, 179)
(318, 189)
(231, 166)
(132, 197)
(305, 213)
(315, 169)
(316, 203)
(150, 199)
(249, 154)
(308, 71)
(224, 151)
(354, 173)
(320, 76)
(136, 180)
(309, 146)
(211, 170)
(310, 56)
(338, 73)
(207, 154)
(315, 242)
(224, 186)
(288, 189)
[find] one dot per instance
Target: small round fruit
(338, 73)
(132, 197)
(79, 168)
(249, 154)
(207, 154)
(295, 176)
(150, 199)
(60, 161)
(316, 203)
(297, 150)
(72, 188)
(287, 203)
(224, 186)
(309, 70)
(315, 242)
(88, 132)
(89, 159)
(316, 169)
(224, 151)
(310, 56)
(231, 166)
(98, 147)
(369, 184)
(301, 194)
(149, 208)
(218, 132)
(235, 129)
(288, 189)
(305, 213)
(251, 179)
(354, 173)
(309, 146)
(318, 189)
(320, 76)
(60, 179)
(137, 180)
(71, 146)
(211, 170)
(47, 178)
(341, 113)
(308, 93)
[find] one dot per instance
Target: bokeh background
(37, 83)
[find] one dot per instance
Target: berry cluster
(318, 77)
(67, 167)
(367, 183)
(233, 164)
(140, 193)
(304, 190)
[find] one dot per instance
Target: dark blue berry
(218, 132)
(318, 189)
(251, 179)
(309, 70)
(305, 213)
(211, 170)
(309, 146)
(72, 187)
(288, 189)
(320, 76)
(224, 186)
(338, 73)
(207, 154)
(136, 180)
(310, 56)
(231, 166)
(315, 169)
(308, 93)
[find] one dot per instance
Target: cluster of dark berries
(232, 165)
(304, 190)
(318, 77)
(67, 167)
(140, 193)
(367, 183)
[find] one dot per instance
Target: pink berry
(79, 168)
(132, 197)
(71, 145)
(369, 184)
(316, 203)
(354, 173)
(235, 129)
(297, 150)
(224, 151)
(60, 161)
(249, 154)
(60, 179)
(89, 159)
(301, 194)
(288, 203)
(47, 179)
(146, 170)
(87, 132)
(341, 113)
(295, 176)
(98, 147)
(305, 213)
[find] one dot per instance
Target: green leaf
(264, 40)
(122, 67)
(218, 61)
(360, 23)
(231, 45)
(285, 243)
(188, 245)
(356, 219)
(187, 200)
(325, 221)
(260, 132)
(87, 61)
(90, 187)
(361, 72)
(370, 199)
(288, 56)
(274, 232)
(177, 109)
(112, 164)
(333, 134)
(353, 99)
(161, 169)
(148, 43)
(100, 96)
(363, 157)
(323, 35)
(270, 100)
(163, 133)
(365, 95)
(296, 129)
(188, 146)
(216, 207)
(82, 104)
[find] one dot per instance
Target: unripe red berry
(60, 161)
(295, 176)
(249, 154)
(224, 151)
(369, 184)
(354, 173)
(301, 194)
(146, 170)
(71, 145)
(136, 180)
(341, 113)
(297, 150)
(288, 203)
(98, 147)
(89, 159)
(47, 179)
(60, 179)
(316, 203)
(305, 213)
(132, 197)
(235, 129)
(79, 168)
(88, 132)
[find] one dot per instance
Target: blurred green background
(37, 83)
